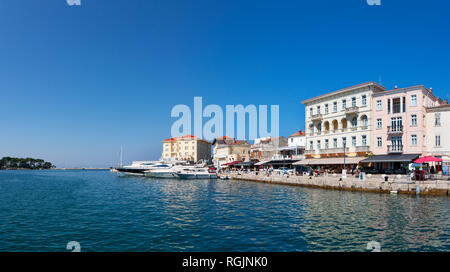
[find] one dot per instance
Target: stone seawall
(373, 184)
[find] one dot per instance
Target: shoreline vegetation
(11, 163)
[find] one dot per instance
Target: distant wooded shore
(10, 163)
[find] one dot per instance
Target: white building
(438, 132)
(337, 119)
(297, 139)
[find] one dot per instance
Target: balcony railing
(362, 149)
(333, 150)
(316, 117)
(395, 148)
(395, 129)
(352, 110)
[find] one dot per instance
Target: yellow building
(188, 148)
(227, 150)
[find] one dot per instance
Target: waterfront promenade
(373, 183)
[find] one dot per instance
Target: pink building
(399, 125)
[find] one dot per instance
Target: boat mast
(121, 164)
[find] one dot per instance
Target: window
(414, 120)
(344, 104)
(334, 143)
(379, 123)
(364, 121)
(379, 105)
(353, 140)
(344, 141)
(326, 108)
(355, 122)
(292, 140)
(335, 107)
(318, 145)
(326, 144)
(311, 145)
(413, 100)
(364, 140)
(437, 119)
(318, 109)
(353, 101)
(311, 111)
(424, 140)
(438, 140)
(379, 142)
(364, 100)
(413, 140)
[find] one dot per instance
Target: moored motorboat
(196, 173)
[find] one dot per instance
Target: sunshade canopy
(427, 159)
(392, 158)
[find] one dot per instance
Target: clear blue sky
(77, 82)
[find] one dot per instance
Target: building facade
(228, 150)
(438, 132)
(399, 120)
(264, 149)
(187, 148)
(339, 123)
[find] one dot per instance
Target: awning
(249, 163)
(261, 163)
(289, 148)
(231, 163)
(277, 162)
(428, 159)
(392, 158)
(330, 161)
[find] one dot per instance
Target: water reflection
(41, 211)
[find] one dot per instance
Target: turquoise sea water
(44, 210)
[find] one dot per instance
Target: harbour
(105, 212)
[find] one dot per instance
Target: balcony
(395, 148)
(362, 149)
(352, 110)
(333, 150)
(317, 117)
(310, 152)
(395, 130)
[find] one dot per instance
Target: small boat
(196, 173)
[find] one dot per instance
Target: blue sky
(77, 82)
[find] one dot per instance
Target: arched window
(364, 121)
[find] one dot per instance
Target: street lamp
(345, 144)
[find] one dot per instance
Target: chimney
(431, 90)
(396, 87)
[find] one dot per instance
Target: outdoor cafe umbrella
(427, 159)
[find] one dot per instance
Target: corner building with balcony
(340, 124)
(400, 127)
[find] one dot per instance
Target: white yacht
(196, 173)
(137, 167)
(163, 171)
